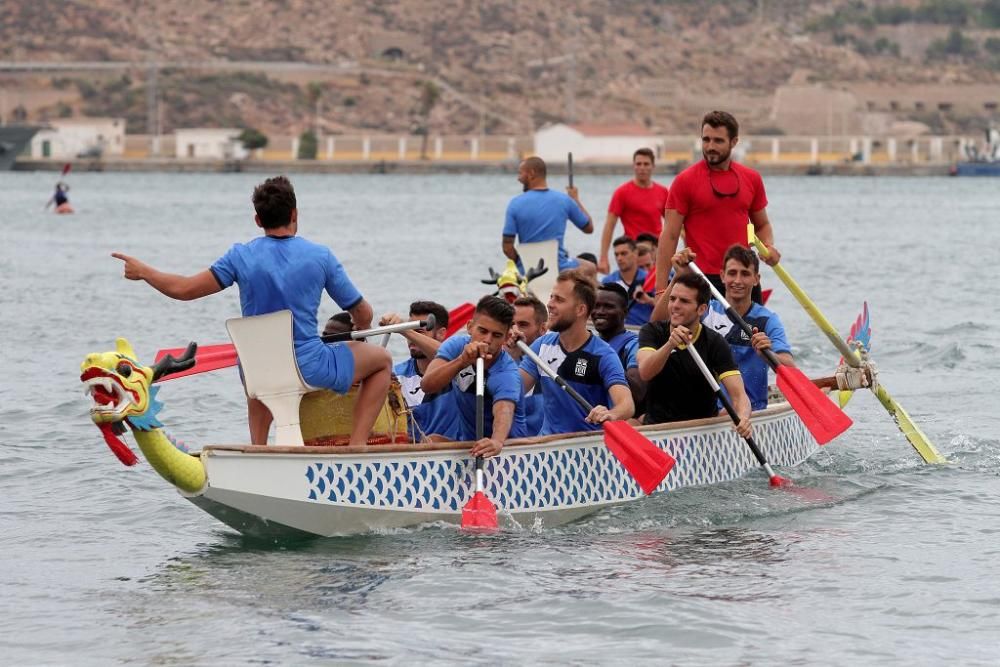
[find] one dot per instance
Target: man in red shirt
(639, 203)
(712, 201)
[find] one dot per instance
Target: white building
(68, 138)
(209, 144)
(593, 143)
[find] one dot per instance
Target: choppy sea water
(101, 564)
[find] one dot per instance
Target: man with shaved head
(540, 214)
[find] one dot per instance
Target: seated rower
(631, 277)
(530, 317)
(430, 413)
(586, 362)
(503, 397)
(282, 271)
(677, 389)
(609, 322)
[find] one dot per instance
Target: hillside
(503, 66)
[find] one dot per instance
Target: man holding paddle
(282, 271)
(540, 214)
(711, 201)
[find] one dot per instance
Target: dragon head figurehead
(123, 394)
(511, 284)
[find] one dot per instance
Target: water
(102, 564)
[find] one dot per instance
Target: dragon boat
(312, 486)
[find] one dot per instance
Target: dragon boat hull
(270, 492)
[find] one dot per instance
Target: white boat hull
(328, 491)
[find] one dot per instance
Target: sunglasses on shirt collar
(724, 183)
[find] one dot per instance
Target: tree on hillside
(252, 139)
(314, 93)
(429, 96)
(308, 146)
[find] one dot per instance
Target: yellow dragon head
(511, 283)
(122, 392)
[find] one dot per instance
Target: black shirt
(679, 391)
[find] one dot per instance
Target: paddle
(647, 463)
(479, 513)
(214, 357)
(773, 477)
(459, 316)
(823, 419)
(920, 442)
(569, 167)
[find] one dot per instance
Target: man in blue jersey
(455, 365)
(540, 214)
(631, 277)
(435, 413)
(586, 362)
(530, 317)
(282, 271)
(740, 274)
(609, 322)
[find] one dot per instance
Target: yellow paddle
(916, 437)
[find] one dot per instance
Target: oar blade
(647, 463)
(479, 514)
(206, 362)
(820, 415)
(459, 316)
(914, 435)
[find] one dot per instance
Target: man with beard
(540, 214)
(454, 364)
(530, 317)
(583, 360)
(609, 322)
(639, 203)
(631, 278)
(430, 413)
(677, 389)
(712, 201)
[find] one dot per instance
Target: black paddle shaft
(569, 166)
(727, 404)
(769, 356)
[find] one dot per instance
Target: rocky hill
(501, 66)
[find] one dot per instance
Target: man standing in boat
(583, 360)
(430, 413)
(712, 201)
(503, 397)
(677, 389)
(609, 322)
(282, 271)
(741, 273)
(638, 203)
(540, 214)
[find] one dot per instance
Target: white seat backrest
(270, 373)
(530, 254)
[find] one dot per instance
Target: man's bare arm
(669, 237)
(182, 288)
(607, 235)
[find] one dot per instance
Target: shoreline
(175, 165)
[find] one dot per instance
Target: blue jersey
(430, 413)
(626, 346)
(752, 366)
(591, 370)
(638, 313)
(534, 410)
(540, 215)
(502, 383)
(290, 273)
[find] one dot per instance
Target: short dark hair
(496, 308)
(439, 312)
(589, 256)
(722, 119)
(648, 152)
(744, 256)
(647, 237)
(617, 290)
(695, 282)
(274, 201)
(537, 165)
(342, 317)
(624, 240)
(541, 312)
(583, 288)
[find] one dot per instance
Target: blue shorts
(327, 365)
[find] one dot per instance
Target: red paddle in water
(647, 463)
(819, 414)
(479, 513)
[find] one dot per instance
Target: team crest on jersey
(581, 367)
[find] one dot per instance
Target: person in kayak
(282, 271)
(60, 197)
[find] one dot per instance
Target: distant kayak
(64, 208)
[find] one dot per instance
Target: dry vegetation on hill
(505, 65)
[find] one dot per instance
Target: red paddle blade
(203, 350)
(647, 463)
(204, 362)
(479, 513)
(765, 295)
(649, 285)
(66, 168)
(823, 419)
(459, 317)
